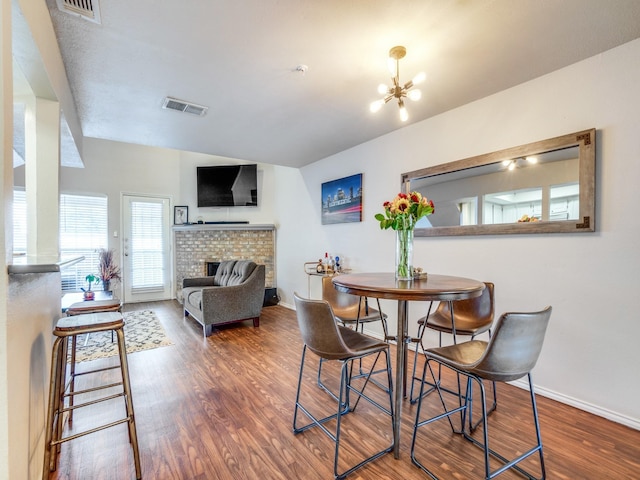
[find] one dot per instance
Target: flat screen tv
(228, 186)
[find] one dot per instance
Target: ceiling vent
(87, 9)
(182, 106)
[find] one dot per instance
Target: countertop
(41, 264)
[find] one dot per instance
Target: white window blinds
(19, 222)
(83, 231)
(146, 246)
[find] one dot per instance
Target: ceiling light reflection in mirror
(542, 187)
(545, 187)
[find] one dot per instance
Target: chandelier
(397, 90)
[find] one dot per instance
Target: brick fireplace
(197, 245)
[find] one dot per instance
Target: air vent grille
(87, 9)
(182, 106)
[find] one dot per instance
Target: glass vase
(404, 254)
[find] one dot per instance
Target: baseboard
(581, 405)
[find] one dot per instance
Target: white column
(42, 160)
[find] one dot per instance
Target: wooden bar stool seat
(95, 306)
(63, 393)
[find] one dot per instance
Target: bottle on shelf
(320, 267)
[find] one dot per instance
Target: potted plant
(91, 279)
(108, 269)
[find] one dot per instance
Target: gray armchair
(234, 294)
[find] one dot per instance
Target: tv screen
(228, 186)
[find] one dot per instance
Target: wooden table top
(385, 285)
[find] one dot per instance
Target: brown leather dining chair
(472, 317)
(351, 311)
(509, 355)
(323, 336)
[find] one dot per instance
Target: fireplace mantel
(223, 226)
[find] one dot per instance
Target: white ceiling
(239, 58)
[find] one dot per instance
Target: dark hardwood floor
(221, 408)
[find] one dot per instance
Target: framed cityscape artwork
(342, 200)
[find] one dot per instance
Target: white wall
(590, 357)
(6, 231)
(263, 213)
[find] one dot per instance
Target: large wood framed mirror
(542, 187)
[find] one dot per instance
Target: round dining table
(384, 285)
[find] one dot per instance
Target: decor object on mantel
(108, 269)
(396, 90)
(401, 214)
(88, 293)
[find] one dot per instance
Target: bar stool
(81, 308)
(511, 354)
(322, 336)
(95, 306)
(60, 390)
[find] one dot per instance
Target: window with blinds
(19, 222)
(146, 246)
(83, 231)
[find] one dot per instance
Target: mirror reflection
(542, 187)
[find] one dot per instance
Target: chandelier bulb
(414, 95)
(393, 67)
(404, 116)
(375, 106)
(419, 78)
(383, 89)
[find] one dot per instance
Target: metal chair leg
(418, 341)
(344, 407)
(506, 463)
(465, 408)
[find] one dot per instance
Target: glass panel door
(146, 247)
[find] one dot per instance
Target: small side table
(310, 268)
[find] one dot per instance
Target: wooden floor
(221, 408)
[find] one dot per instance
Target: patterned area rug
(142, 331)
